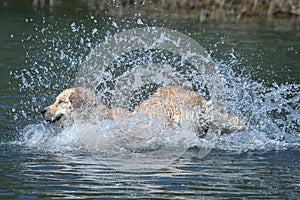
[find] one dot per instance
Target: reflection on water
(40, 161)
(220, 175)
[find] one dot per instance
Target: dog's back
(171, 104)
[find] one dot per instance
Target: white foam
(46, 137)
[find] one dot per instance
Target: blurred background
(202, 10)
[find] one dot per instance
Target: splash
(131, 145)
(272, 112)
(145, 57)
(50, 138)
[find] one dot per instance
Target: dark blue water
(39, 55)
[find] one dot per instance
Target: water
(40, 55)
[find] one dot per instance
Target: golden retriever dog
(171, 105)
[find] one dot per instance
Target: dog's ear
(80, 98)
(76, 99)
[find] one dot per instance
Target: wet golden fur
(170, 105)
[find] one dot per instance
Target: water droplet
(140, 21)
(114, 24)
(94, 31)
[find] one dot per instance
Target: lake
(258, 60)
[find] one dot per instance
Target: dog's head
(66, 103)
